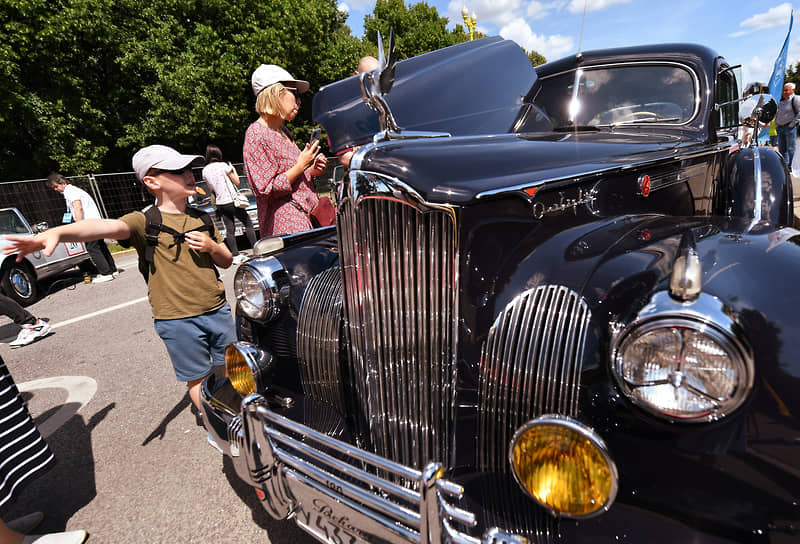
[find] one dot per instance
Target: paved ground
(133, 464)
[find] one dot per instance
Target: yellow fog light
(248, 367)
(564, 466)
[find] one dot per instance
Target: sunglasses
(294, 91)
(178, 172)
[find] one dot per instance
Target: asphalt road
(133, 461)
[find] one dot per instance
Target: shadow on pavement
(161, 431)
(70, 484)
(288, 531)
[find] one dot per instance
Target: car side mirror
(766, 111)
(338, 174)
(40, 227)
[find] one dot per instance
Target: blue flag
(776, 79)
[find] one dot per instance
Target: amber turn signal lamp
(248, 367)
(564, 466)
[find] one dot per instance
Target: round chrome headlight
(564, 466)
(261, 287)
(682, 369)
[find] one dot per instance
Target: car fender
(757, 185)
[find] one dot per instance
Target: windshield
(615, 95)
(10, 223)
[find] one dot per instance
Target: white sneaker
(115, 274)
(214, 444)
(29, 333)
(69, 537)
(100, 278)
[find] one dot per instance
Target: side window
(728, 95)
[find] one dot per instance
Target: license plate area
(335, 519)
(325, 527)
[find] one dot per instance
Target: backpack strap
(153, 227)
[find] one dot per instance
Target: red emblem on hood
(644, 185)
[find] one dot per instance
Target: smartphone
(315, 135)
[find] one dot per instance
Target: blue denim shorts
(196, 343)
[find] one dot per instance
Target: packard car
(559, 304)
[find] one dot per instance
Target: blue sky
(746, 33)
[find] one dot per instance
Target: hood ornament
(377, 84)
(687, 273)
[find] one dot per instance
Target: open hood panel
(474, 87)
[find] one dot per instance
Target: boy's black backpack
(153, 227)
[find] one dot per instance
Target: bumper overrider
(332, 489)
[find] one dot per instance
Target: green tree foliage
(417, 28)
(535, 58)
(793, 75)
(84, 83)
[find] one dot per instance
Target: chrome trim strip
(600, 172)
(758, 188)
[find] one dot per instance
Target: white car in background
(20, 280)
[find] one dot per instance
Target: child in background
(190, 312)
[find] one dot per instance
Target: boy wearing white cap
(190, 312)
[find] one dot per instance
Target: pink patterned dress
(267, 157)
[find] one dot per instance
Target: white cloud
(536, 10)
(360, 5)
(756, 69)
(773, 18)
(343, 7)
(576, 6)
(552, 47)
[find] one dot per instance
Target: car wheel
(19, 283)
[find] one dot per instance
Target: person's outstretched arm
(83, 231)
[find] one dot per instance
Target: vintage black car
(559, 304)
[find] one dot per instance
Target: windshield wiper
(576, 128)
(648, 120)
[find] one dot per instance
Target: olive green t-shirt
(185, 282)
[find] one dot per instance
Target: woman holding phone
(280, 173)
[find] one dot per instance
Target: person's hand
(320, 162)
(308, 155)
(24, 245)
(200, 241)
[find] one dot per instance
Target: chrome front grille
(529, 367)
(399, 266)
(318, 333)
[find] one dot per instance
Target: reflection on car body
(20, 281)
(548, 312)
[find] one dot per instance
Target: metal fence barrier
(115, 194)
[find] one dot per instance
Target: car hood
(474, 87)
(461, 169)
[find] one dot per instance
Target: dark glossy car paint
(599, 214)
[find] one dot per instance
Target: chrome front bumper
(334, 490)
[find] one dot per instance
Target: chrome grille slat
(529, 367)
(318, 332)
(400, 265)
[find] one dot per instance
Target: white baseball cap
(164, 158)
(270, 74)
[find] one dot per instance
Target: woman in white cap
(280, 173)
